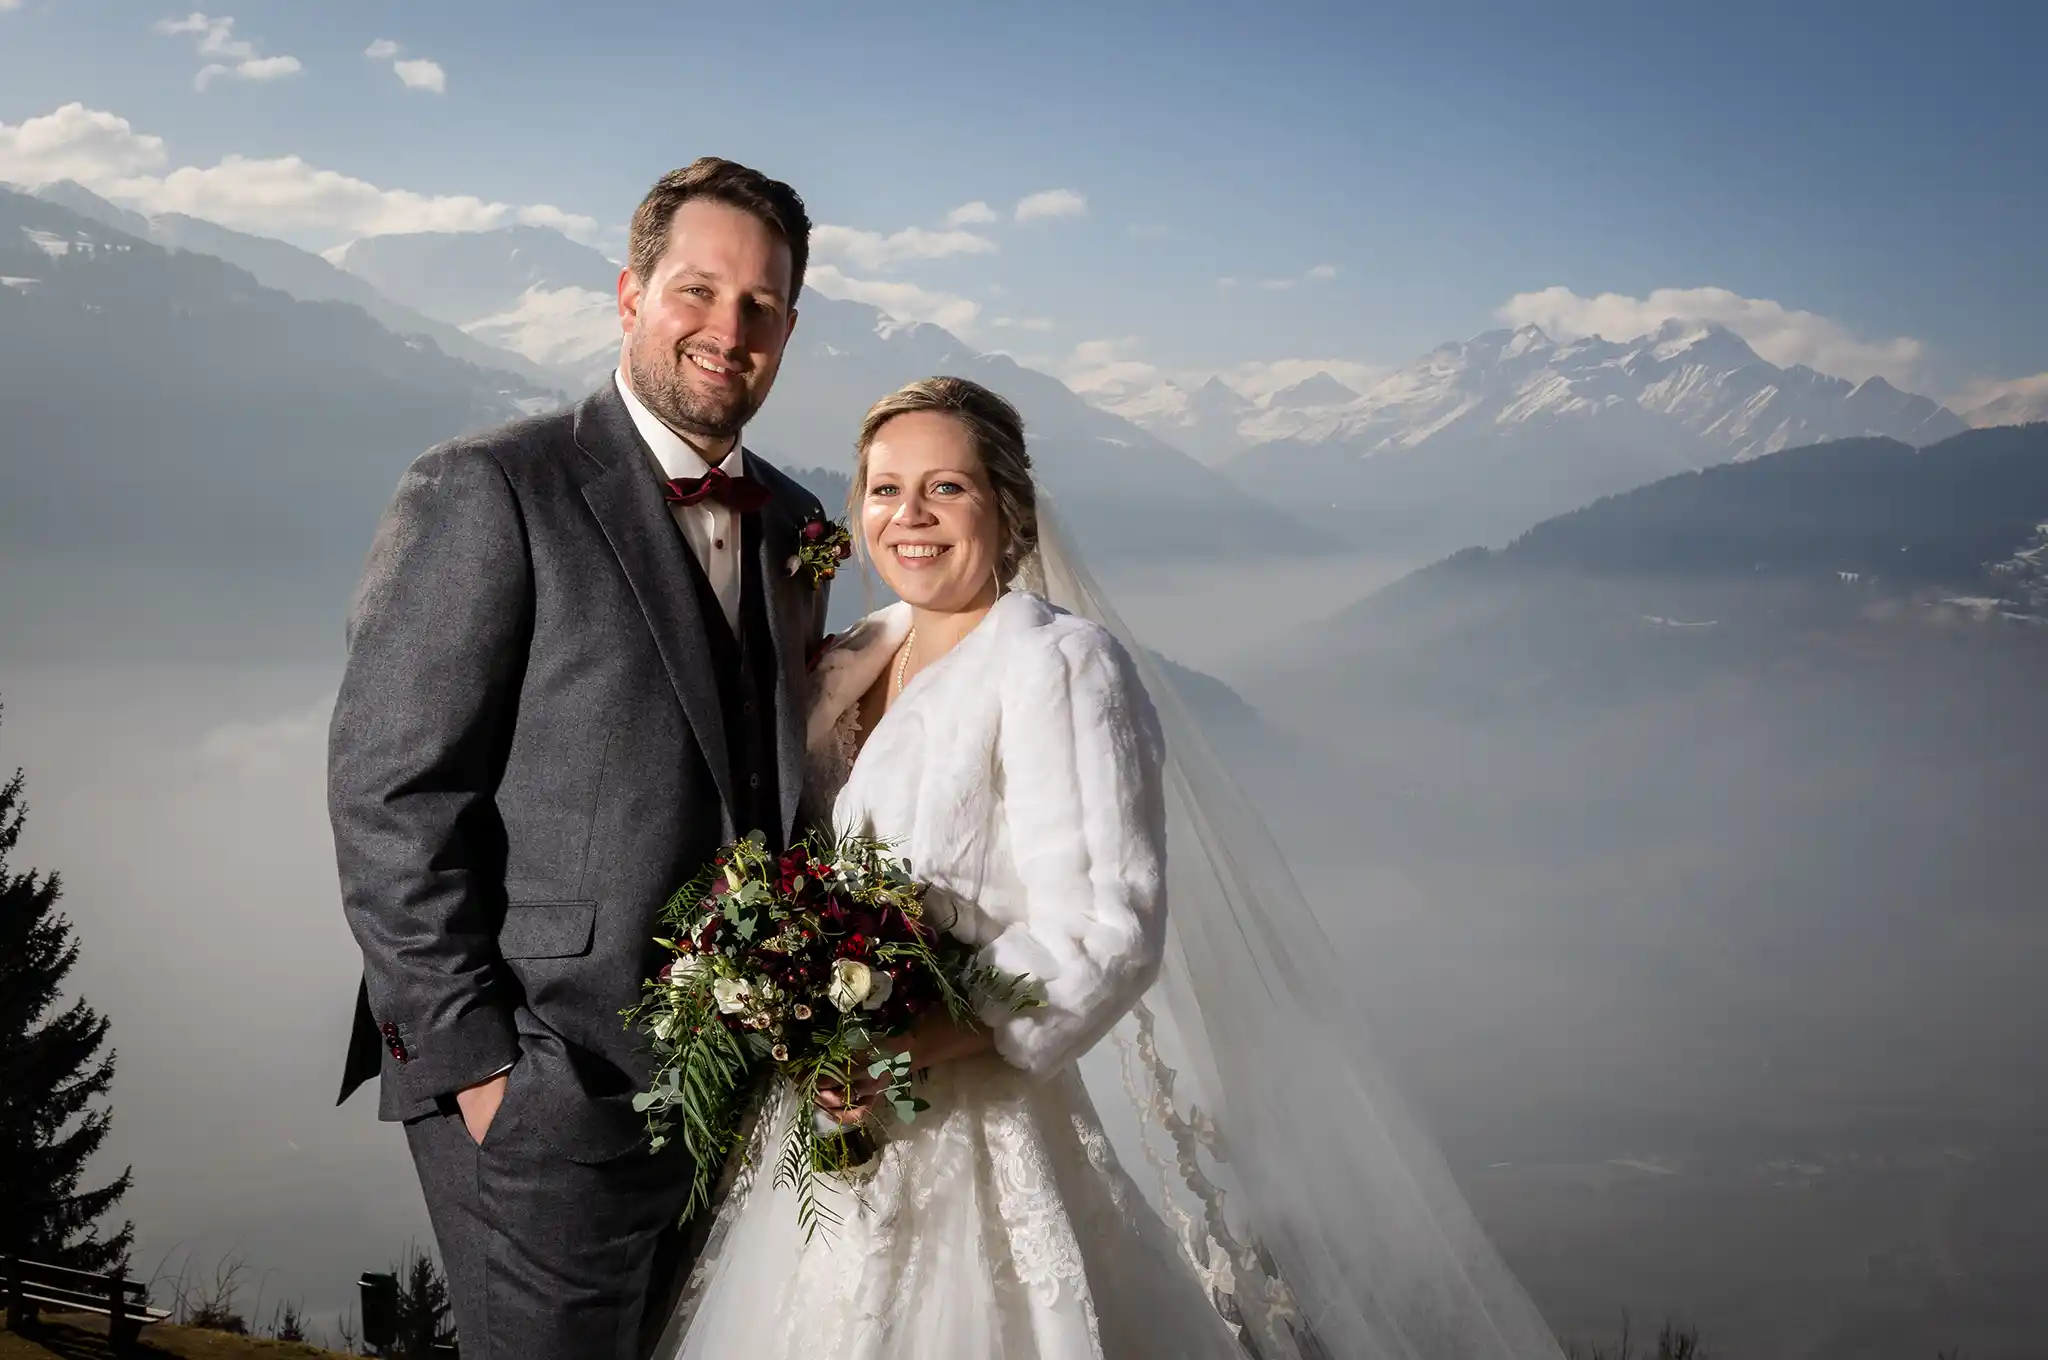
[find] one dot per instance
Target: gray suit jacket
(527, 757)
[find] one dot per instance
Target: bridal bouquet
(800, 965)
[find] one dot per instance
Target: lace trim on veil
(1243, 1063)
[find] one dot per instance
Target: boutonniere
(822, 544)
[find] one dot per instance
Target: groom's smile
(705, 325)
(715, 367)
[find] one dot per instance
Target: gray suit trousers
(549, 1258)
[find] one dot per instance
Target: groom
(575, 668)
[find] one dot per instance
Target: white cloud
(1226, 283)
(573, 225)
(421, 74)
(1783, 335)
(416, 73)
(1322, 273)
(231, 57)
(6, 5)
(2011, 401)
(973, 214)
(1023, 323)
(216, 36)
(76, 143)
(256, 68)
(1276, 285)
(283, 194)
(873, 250)
(1108, 368)
(1110, 372)
(903, 301)
(277, 746)
(1049, 203)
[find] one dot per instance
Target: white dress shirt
(710, 527)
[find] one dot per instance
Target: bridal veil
(1242, 1095)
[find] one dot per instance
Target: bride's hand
(936, 1039)
(939, 1038)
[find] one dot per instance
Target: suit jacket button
(753, 781)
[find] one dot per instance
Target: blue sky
(1862, 181)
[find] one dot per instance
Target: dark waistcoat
(744, 663)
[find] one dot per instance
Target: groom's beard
(663, 381)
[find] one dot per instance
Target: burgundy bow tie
(737, 493)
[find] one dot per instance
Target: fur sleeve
(1081, 759)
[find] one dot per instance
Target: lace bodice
(829, 763)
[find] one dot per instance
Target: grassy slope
(76, 1337)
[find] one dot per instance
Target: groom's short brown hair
(728, 182)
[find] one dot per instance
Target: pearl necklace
(903, 659)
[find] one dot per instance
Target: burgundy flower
(844, 551)
(814, 530)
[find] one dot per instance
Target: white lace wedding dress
(1021, 774)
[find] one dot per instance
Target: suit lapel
(789, 608)
(626, 499)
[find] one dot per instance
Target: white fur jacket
(1020, 774)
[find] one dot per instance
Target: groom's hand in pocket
(479, 1105)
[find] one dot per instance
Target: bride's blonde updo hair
(998, 437)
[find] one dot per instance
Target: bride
(1030, 762)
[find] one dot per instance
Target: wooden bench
(124, 1303)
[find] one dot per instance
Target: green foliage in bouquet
(806, 964)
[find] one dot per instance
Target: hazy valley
(1685, 841)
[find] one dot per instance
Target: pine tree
(50, 1078)
(423, 1308)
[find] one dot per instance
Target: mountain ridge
(178, 432)
(1965, 519)
(303, 274)
(1482, 437)
(1125, 490)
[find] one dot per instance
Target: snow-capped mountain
(1124, 490)
(1310, 394)
(301, 273)
(1204, 422)
(1485, 436)
(1703, 378)
(529, 290)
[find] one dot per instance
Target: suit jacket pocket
(547, 930)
